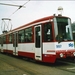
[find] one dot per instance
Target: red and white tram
(46, 39)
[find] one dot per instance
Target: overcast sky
(34, 9)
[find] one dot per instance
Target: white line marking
(71, 68)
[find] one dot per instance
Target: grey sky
(35, 9)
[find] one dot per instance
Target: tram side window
(1, 41)
(4, 39)
(28, 35)
(10, 38)
(21, 36)
(47, 32)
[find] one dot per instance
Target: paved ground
(6, 69)
(14, 66)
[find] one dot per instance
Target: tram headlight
(74, 53)
(61, 55)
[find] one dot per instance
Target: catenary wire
(19, 8)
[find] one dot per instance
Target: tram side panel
(49, 54)
(26, 50)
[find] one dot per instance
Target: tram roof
(36, 22)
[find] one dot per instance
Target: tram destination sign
(59, 19)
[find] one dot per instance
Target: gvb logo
(70, 45)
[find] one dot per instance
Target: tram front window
(63, 29)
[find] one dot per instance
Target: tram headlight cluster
(61, 55)
(74, 53)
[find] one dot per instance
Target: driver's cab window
(47, 32)
(63, 30)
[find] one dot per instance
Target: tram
(46, 39)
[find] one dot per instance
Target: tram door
(15, 43)
(38, 43)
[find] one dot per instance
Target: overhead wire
(11, 5)
(19, 8)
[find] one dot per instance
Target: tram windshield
(62, 28)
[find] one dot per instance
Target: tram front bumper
(61, 54)
(70, 53)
